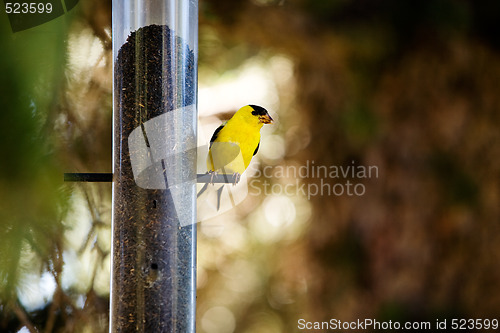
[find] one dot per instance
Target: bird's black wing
(214, 136)
(256, 149)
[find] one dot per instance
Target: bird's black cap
(258, 110)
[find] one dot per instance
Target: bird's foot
(212, 175)
(236, 178)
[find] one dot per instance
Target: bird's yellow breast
(233, 149)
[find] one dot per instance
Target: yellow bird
(235, 142)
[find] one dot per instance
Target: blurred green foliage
(32, 201)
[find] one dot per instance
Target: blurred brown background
(408, 87)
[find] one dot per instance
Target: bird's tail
(203, 189)
(219, 195)
(236, 178)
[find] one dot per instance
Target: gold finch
(234, 143)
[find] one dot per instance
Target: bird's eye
(255, 113)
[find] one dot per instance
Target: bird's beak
(266, 119)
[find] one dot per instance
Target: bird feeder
(154, 165)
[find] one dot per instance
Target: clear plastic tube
(154, 165)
